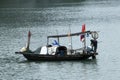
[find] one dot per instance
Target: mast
(85, 42)
(70, 38)
(83, 37)
(57, 37)
(28, 42)
(47, 44)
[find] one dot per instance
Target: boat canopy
(66, 35)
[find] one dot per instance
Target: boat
(58, 52)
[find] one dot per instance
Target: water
(47, 17)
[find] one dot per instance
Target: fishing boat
(58, 52)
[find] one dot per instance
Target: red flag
(29, 34)
(83, 30)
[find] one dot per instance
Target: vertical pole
(47, 41)
(58, 40)
(47, 44)
(57, 37)
(28, 42)
(84, 42)
(70, 36)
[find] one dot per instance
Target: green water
(45, 17)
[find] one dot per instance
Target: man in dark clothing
(94, 44)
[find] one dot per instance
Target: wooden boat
(57, 52)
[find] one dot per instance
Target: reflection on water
(62, 70)
(46, 17)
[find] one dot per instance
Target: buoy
(95, 35)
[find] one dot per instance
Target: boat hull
(38, 57)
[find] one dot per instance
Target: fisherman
(94, 44)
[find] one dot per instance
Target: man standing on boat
(94, 41)
(94, 44)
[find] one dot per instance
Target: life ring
(95, 35)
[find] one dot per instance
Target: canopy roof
(66, 35)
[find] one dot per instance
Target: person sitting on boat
(94, 44)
